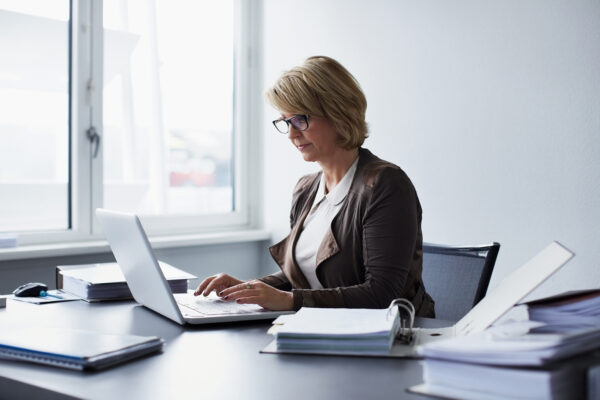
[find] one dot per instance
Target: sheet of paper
(111, 273)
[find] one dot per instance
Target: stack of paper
(8, 240)
(506, 344)
(576, 309)
(510, 361)
(338, 330)
(95, 282)
(475, 382)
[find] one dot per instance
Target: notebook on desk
(149, 287)
(516, 286)
(72, 348)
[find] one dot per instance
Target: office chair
(457, 277)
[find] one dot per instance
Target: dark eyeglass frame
(299, 122)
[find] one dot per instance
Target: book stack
(337, 331)
(555, 356)
(99, 282)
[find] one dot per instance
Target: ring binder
(406, 312)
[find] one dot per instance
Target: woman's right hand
(217, 283)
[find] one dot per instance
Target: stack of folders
(337, 331)
(575, 309)
(547, 359)
(73, 349)
(97, 282)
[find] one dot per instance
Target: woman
(355, 236)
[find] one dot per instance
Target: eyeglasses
(299, 122)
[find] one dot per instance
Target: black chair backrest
(457, 277)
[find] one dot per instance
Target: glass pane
(168, 106)
(34, 116)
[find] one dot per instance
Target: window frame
(86, 171)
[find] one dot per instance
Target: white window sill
(158, 242)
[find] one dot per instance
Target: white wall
(491, 107)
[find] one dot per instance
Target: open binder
(345, 331)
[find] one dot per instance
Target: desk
(207, 362)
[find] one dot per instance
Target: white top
(324, 208)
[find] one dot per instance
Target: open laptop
(509, 292)
(149, 287)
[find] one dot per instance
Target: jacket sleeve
(277, 280)
(390, 229)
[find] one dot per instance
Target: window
(132, 105)
(34, 121)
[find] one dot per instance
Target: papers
(8, 240)
(575, 309)
(73, 349)
(96, 282)
(97, 274)
(506, 345)
(338, 330)
(477, 382)
(547, 357)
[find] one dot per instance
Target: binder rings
(73, 349)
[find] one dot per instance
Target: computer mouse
(31, 289)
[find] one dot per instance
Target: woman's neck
(335, 169)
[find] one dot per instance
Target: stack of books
(98, 282)
(338, 331)
(555, 356)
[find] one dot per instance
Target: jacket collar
(283, 252)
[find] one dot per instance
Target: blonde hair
(322, 87)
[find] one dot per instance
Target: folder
(343, 331)
(73, 349)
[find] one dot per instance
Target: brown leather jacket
(372, 252)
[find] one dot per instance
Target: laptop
(509, 292)
(132, 250)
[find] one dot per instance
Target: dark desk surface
(218, 361)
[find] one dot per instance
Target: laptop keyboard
(191, 305)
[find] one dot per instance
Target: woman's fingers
(239, 287)
(257, 292)
(203, 285)
(215, 283)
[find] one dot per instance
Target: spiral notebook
(73, 349)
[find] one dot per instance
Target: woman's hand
(217, 283)
(257, 292)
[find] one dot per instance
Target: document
(105, 281)
(452, 380)
(574, 309)
(338, 330)
(506, 344)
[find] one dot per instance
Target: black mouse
(31, 289)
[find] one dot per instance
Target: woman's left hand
(257, 292)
